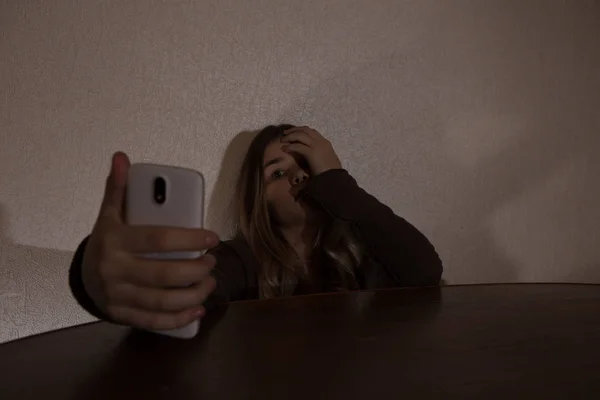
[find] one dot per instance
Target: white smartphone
(162, 195)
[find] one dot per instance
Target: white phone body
(182, 206)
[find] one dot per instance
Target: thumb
(116, 183)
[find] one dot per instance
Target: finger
(168, 273)
(164, 300)
(152, 239)
(313, 134)
(155, 321)
(297, 148)
(298, 137)
(116, 183)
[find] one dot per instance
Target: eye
(278, 174)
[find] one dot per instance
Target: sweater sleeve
(405, 253)
(76, 283)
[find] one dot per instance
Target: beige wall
(476, 120)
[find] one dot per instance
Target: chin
(300, 213)
(306, 210)
(293, 212)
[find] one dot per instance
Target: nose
(300, 176)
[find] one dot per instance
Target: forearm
(398, 246)
(76, 283)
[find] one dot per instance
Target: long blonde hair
(280, 269)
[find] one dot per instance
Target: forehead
(273, 150)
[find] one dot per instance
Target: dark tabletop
(490, 341)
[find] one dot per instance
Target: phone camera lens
(160, 190)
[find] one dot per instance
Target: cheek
(278, 193)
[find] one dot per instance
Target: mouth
(296, 191)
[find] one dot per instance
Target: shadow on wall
(221, 212)
(34, 290)
(401, 108)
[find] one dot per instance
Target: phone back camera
(160, 190)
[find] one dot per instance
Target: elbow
(429, 269)
(434, 278)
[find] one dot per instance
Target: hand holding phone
(164, 293)
(161, 195)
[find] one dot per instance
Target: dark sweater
(397, 254)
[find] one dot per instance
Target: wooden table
(491, 341)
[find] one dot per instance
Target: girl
(305, 226)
